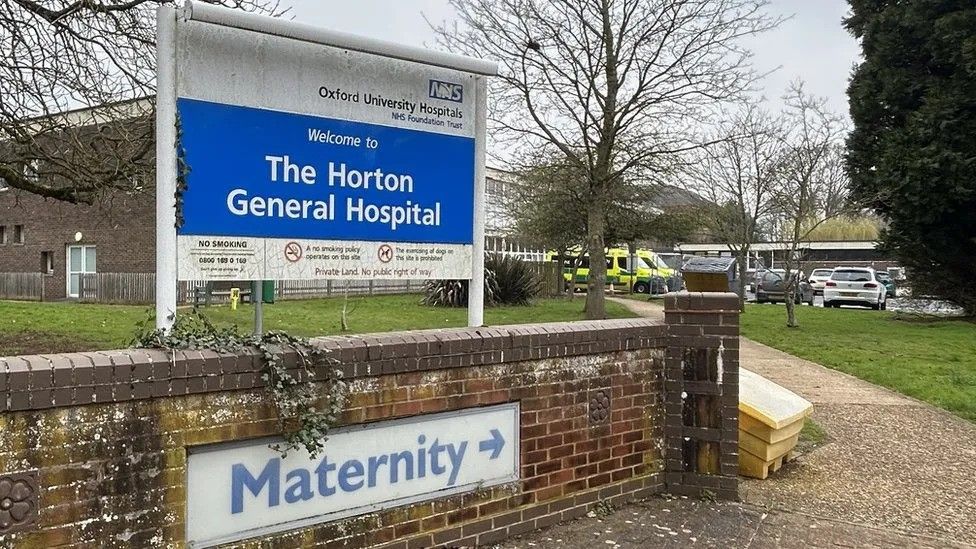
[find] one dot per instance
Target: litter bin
(267, 290)
(709, 274)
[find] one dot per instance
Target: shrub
(515, 281)
(508, 281)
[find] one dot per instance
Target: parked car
(771, 287)
(889, 283)
(855, 286)
(817, 279)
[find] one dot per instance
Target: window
(3, 234)
(18, 234)
(32, 170)
(47, 263)
(851, 276)
(81, 261)
(622, 263)
(494, 187)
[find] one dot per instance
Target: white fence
(506, 246)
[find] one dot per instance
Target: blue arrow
(495, 444)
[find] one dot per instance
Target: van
(623, 270)
(657, 264)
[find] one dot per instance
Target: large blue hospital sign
(280, 177)
(236, 491)
(311, 162)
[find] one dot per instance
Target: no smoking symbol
(385, 253)
(293, 251)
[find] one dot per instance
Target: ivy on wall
(308, 394)
(182, 172)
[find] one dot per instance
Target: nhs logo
(446, 91)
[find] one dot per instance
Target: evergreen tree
(912, 154)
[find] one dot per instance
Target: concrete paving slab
(679, 523)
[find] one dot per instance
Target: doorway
(80, 261)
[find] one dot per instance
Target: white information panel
(308, 161)
(241, 490)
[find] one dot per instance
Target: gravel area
(927, 307)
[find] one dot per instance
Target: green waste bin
(267, 290)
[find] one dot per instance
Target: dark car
(885, 278)
(771, 287)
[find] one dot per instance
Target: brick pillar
(701, 394)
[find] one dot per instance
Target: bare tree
(76, 81)
(615, 86)
(831, 191)
(808, 171)
(738, 175)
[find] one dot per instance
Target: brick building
(62, 240)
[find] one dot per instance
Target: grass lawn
(65, 327)
(811, 437)
(930, 359)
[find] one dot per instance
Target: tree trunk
(599, 177)
(561, 258)
(742, 261)
(632, 264)
(792, 285)
(791, 308)
(597, 281)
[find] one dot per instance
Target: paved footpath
(894, 472)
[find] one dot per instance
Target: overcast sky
(812, 45)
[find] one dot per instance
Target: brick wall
(99, 440)
(120, 226)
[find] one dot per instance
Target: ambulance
(623, 270)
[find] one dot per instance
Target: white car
(818, 278)
(854, 286)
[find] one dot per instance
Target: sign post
(476, 290)
(257, 297)
(166, 167)
(315, 155)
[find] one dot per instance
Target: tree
(774, 177)
(548, 205)
(615, 86)
(549, 210)
(806, 173)
(738, 175)
(912, 151)
(95, 58)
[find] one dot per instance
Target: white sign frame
(169, 18)
(510, 450)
